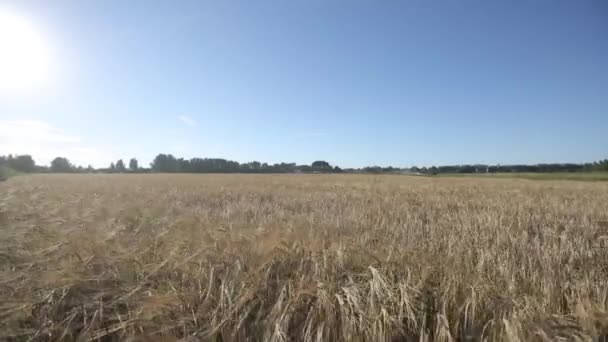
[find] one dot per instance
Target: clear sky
(352, 82)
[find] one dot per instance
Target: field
(580, 176)
(302, 258)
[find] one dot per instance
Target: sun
(24, 54)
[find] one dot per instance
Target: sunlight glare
(24, 55)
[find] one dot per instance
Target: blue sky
(355, 83)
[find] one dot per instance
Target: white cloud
(45, 142)
(187, 120)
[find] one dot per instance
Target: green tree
(321, 165)
(23, 163)
(120, 166)
(61, 164)
(165, 163)
(601, 165)
(133, 165)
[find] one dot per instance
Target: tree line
(601, 165)
(168, 163)
(165, 163)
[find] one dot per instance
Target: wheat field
(302, 258)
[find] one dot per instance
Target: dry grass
(302, 258)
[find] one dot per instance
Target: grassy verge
(6, 173)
